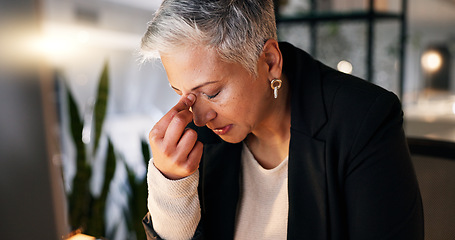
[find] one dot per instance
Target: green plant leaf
(97, 222)
(101, 104)
(137, 200)
(145, 152)
(109, 170)
(79, 197)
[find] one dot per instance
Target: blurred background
(76, 103)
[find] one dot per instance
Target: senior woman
(285, 147)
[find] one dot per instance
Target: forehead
(192, 66)
(190, 58)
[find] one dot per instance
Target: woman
(302, 151)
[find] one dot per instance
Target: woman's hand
(176, 151)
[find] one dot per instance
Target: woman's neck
(269, 142)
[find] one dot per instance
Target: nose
(202, 113)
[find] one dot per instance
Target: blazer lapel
(307, 188)
(308, 113)
(219, 189)
(307, 183)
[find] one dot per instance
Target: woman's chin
(232, 138)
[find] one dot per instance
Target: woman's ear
(273, 58)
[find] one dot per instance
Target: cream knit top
(262, 212)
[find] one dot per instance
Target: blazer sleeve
(382, 195)
(148, 227)
(152, 235)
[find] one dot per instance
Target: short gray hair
(236, 29)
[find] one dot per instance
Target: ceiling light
(344, 66)
(431, 60)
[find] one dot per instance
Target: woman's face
(230, 101)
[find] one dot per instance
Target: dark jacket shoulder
(321, 94)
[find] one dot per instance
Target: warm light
(50, 45)
(344, 66)
(431, 61)
(53, 48)
(83, 36)
(453, 108)
(81, 236)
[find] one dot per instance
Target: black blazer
(350, 173)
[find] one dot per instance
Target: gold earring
(275, 84)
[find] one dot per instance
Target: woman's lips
(223, 130)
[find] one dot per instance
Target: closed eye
(212, 96)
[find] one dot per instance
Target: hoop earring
(275, 84)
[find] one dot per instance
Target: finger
(184, 103)
(187, 142)
(194, 158)
(185, 166)
(176, 127)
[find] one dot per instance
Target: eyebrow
(198, 86)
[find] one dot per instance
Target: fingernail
(191, 97)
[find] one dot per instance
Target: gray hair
(236, 29)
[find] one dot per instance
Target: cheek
(227, 104)
(238, 106)
(242, 100)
